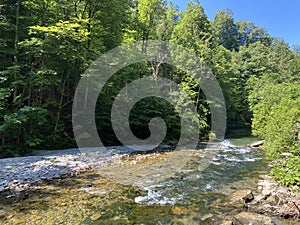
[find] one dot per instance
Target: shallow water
(183, 197)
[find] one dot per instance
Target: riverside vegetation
(45, 47)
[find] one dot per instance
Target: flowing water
(187, 197)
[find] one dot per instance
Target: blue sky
(280, 18)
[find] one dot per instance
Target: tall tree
(193, 30)
(225, 29)
(248, 33)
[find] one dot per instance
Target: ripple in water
(232, 168)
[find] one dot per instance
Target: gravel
(18, 174)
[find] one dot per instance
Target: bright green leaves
(275, 117)
(77, 31)
(65, 35)
(193, 30)
(46, 45)
(149, 15)
(287, 172)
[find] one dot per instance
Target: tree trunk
(15, 92)
(60, 105)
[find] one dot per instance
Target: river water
(188, 196)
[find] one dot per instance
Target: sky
(280, 18)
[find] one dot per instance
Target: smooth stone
(256, 144)
(241, 197)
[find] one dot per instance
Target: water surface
(186, 197)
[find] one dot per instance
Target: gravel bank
(18, 174)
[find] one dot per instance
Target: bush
(287, 172)
(275, 119)
(276, 115)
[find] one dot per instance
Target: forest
(47, 45)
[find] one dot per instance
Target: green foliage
(225, 66)
(275, 117)
(248, 34)
(193, 31)
(225, 30)
(275, 100)
(23, 128)
(287, 171)
(149, 15)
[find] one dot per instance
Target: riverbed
(117, 187)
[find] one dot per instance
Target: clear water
(91, 198)
(231, 168)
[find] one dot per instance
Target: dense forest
(46, 46)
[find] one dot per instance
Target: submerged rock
(246, 218)
(240, 197)
(176, 210)
(2, 214)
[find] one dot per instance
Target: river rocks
(240, 197)
(290, 210)
(259, 206)
(247, 218)
(275, 200)
(18, 221)
(2, 214)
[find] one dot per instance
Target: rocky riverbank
(21, 173)
(269, 204)
(274, 199)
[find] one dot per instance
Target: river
(188, 196)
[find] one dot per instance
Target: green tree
(225, 29)
(248, 34)
(193, 30)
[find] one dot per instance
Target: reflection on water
(185, 198)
